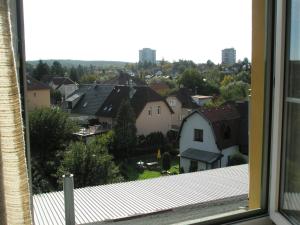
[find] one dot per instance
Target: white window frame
(276, 139)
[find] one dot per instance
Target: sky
(115, 30)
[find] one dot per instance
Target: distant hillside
(70, 63)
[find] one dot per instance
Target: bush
(172, 135)
(181, 170)
(166, 161)
(155, 139)
(236, 159)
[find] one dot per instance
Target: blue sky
(116, 29)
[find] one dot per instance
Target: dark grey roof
(141, 96)
(33, 84)
(200, 155)
(92, 98)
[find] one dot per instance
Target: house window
(290, 192)
(150, 111)
(34, 94)
(158, 109)
(198, 135)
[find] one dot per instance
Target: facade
(153, 114)
(209, 137)
(228, 56)
(37, 95)
(147, 55)
(64, 85)
(182, 105)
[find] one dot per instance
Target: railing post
(68, 184)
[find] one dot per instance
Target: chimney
(68, 184)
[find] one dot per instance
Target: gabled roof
(62, 80)
(124, 79)
(141, 95)
(33, 84)
(91, 96)
(223, 119)
(184, 96)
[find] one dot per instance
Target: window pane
(290, 203)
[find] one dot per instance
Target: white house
(209, 137)
(64, 85)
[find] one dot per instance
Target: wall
(187, 135)
(177, 116)
(146, 124)
(42, 99)
(66, 90)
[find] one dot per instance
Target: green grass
(133, 173)
(147, 174)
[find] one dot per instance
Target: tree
(91, 164)
(42, 69)
(57, 69)
(50, 131)
(166, 161)
(192, 79)
(56, 96)
(125, 131)
(236, 159)
(236, 90)
(74, 74)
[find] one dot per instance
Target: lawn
(133, 173)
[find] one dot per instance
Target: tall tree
(57, 69)
(91, 164)
(42, 69)
(125, 131)
(50, 132)
(74, 74)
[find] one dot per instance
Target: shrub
(155, 139)
(236, 159)
(181, 170)
(166, 161)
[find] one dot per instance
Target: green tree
(50, 132)
(56, 96)
(125, 131)
(74, 74)
(57, 69)
(227, 79)
(192, 79)
(91, 164)
(42, 69)
(166, 161)
(236, 90)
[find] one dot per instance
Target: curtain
(14, 188)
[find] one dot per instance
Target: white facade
(186, 141)
(147, 55)
(228, 56)
(67, 89)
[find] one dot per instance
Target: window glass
(198, 135)
(290, 196)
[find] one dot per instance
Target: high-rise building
(147, 55)
(228, 56)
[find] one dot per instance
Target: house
(124, 78)
(201, 99)
(84, 103)
(151, 110)
(182, 104)
(64, 85)
(208, 137)
(37, 95)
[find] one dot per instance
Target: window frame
(277, 154)
(201, 134)
(256, 216)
